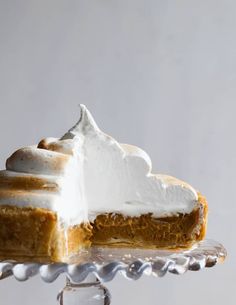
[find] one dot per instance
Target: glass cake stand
(89, 269)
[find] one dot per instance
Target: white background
(156, 73)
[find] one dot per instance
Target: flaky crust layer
(34, 234)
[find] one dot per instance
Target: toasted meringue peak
(85, 123)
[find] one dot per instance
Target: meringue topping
(86, 173)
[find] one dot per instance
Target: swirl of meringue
(86, 173)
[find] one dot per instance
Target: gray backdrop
(156, 73)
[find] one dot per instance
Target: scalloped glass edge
(105, 263)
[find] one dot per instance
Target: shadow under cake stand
(87, 271)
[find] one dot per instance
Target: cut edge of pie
(35, 234)
(173, 232)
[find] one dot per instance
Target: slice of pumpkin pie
(85, 189)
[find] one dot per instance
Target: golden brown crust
(204, 208)
(33, 234)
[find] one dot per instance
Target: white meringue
(94, 174)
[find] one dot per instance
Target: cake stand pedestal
(89, 269)
(90, 292)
